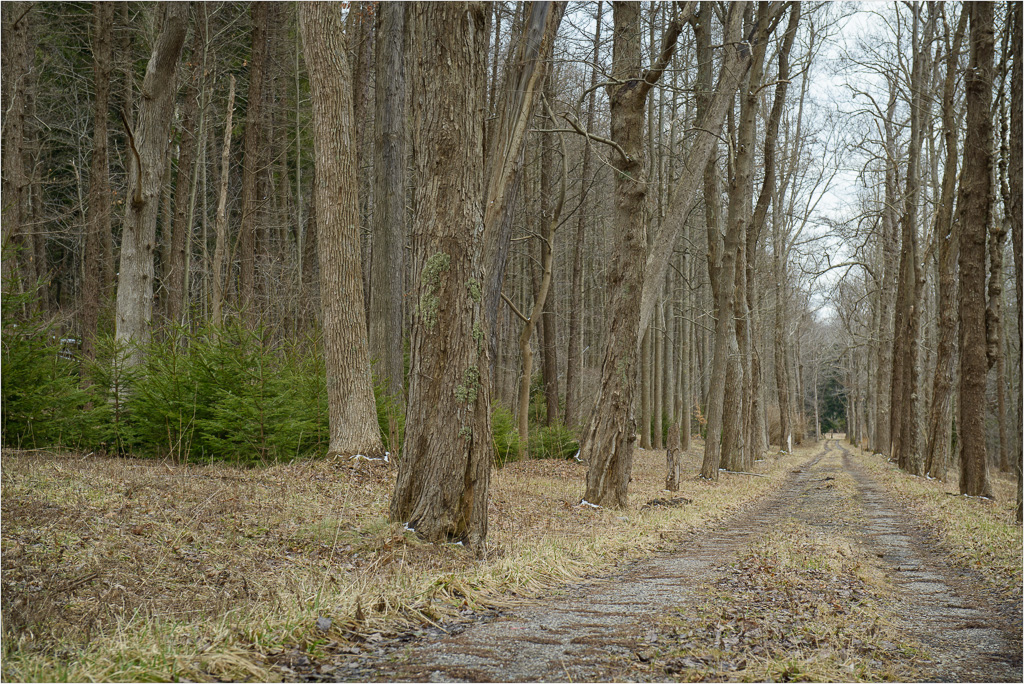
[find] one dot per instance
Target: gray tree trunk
(352, 411)
(148, 152)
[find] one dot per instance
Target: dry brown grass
(121, 569)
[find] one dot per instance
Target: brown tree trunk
(94, 288)
(940, 420)
(181, 232)
(1015, 212)
(888, 248)
(389, 228)
(672, 458)
(444, 474)
(911, 286)
(975, 188)
(353, 415)
(721, 445)
(574, 363)
(252, 163)
(148, 153)
(17, 63)
(607, 442)
(219, 285)
(522, 86)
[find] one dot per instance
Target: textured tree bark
(672, 452)
(252, 163)
(353, 414)
(940, 420)
(994, 327)
(911, 287)
(888, 249)
(608, 440)
(975, 188)
(389, 229)
(17, 63)
(218, 286)
(548, 331)
(767, 198)
(645, 390)
(97, 220)
(148, 143)
(444, 474)
(685, 367)
(1015, 212)
(718, 429)
(574, 363)
(181, 231)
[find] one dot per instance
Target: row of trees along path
(402, 175)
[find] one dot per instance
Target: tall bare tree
(97, 236)
(147, 143)
(976, 208)
(607, 442)
(253, 160)
(17, 63)
(444, 474)
(353, 415)
(387, 268)
(940, 420)
(574, 362)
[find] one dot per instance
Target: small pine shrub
(505, 434)
(556, 442)
(41, 401)
(106, 378)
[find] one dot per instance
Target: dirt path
(941, 624)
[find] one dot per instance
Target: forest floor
(827, 565)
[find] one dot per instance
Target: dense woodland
(457, 234)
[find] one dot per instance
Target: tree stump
(673, 449)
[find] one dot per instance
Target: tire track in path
(970, 634)
(593, 631)
(572, 637)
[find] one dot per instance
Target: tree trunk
(975, 189)
(389, 230)
(353, 416)
(443, 478)
(218, 286)
(672, 454)
(607, 442)
(17, 63)
(1015, 214)
(94, 287)
(940, 420)
(175, 273)
(522, 86)
(888, 249)
(574, 363)
(252, 163)
(148, 153)
(645, 390)
(733, 247)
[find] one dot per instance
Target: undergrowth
(231, 393)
